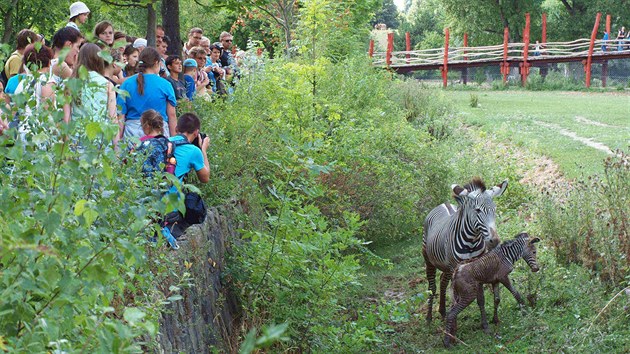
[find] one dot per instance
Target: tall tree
(170, 22)
(388, 14)
(151, 14)
(283, 13)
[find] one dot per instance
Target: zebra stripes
(452, 235)
(492, 268)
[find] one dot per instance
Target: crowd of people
(124, 82)
(114, 62)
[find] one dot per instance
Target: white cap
(140, 42)
(78, 8)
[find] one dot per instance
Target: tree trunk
(151, 22)
(170, 22)
(7, 20)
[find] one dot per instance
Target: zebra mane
(475, 184)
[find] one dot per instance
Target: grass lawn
(541, 121)
(570, 309)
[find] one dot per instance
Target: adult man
(162, 47)
(79, 13)
(66, 38)
(194, 37)
(227, 61)
(12, 66)
(159, 33)
(190, 156)
(205, 44)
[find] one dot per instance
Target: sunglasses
(228, 40)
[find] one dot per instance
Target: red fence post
(543, 44)
(390, 48)
(589, 59)
(605, 62)
(465, 69)
(408, 45)
(525, 65)
(371, 48)
(544, 28)
(505, 67)
(444, 67)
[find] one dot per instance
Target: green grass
(571, 309)
(567, 301)
(513, 116)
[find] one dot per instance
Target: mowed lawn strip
(534, 120)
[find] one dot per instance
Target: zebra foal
(452, 235)
(492, 268)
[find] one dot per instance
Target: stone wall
(203, 321)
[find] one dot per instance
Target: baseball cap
(190, 62)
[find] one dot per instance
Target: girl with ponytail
(147, 90)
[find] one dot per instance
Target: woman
(130, 57)
(147, 90)
(79, 13)
(113, 69)
(37, 87)
(104, 31)
(97, 99)
(36, 82)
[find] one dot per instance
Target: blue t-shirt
(157, 94)
(191, 87)
(188, 156)
(12, 84)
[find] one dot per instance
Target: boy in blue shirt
(190, 71)
(187, 153)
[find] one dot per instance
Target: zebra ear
(534, 240)
(498, 189)
(458, 190)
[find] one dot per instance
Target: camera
(199, 140)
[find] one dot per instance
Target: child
(176, 78)
(190, 71)
(130, 55)
(152, 124)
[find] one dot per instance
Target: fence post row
(444, 67)
(390, 48)
(505, 66)
(589, 58)
(525, 65)
(408, 46)
(465, 69)
(371, 48)
(605, 62)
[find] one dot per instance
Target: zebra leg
(508, 284)
(444, 279)
(481, 301)
(497, 300)
(451, 318)
(430, 270)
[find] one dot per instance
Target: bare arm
(204, 173)
(111, 102)
(172, 119)
(121, 128)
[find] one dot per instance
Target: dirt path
(586, 141)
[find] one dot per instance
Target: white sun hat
(78, 8)
(139, 43)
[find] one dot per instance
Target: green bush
(587, 221)
(76, 270)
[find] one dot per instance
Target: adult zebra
(453, 235)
